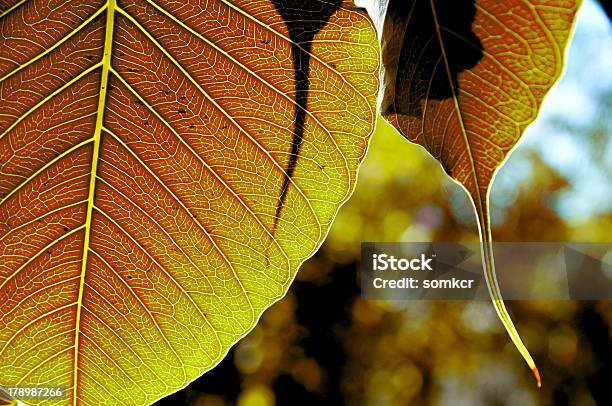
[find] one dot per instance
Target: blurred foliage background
(322, 344)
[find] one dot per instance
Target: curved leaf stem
(488, 263)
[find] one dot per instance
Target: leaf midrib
(106, 62)
(458, 111)
(110, 7)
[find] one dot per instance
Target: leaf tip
(536, 373)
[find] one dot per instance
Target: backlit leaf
(463, 79)
(165, 167)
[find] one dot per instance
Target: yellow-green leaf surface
(464, 79)
(165, 168)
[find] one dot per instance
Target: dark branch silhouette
(304, 19)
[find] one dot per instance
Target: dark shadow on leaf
(304, 19)
(424, 69)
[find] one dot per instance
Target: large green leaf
(165, 168)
